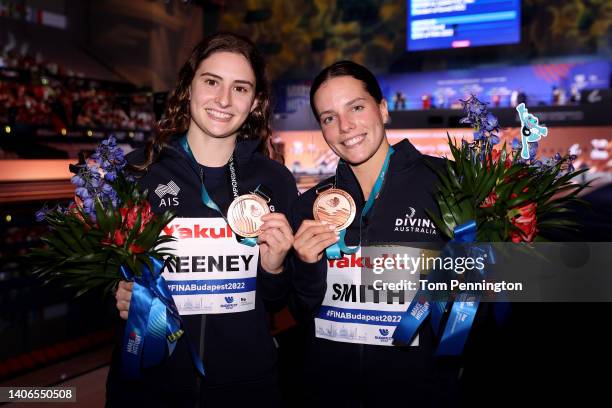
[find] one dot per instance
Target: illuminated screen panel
(440, 24)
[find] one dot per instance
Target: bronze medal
(336, 207)
(244, 215)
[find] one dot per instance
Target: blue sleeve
(274, 288)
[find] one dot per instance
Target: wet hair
(177, 116)
(346, 68)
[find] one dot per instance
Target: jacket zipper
(202, 329)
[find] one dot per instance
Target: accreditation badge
(336, 207)
(353, 311)
(214, 273)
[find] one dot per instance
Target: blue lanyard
(336, 250)
(206, 199)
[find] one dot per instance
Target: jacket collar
(404, 157)
(244, 151)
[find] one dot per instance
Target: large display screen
(439, 24)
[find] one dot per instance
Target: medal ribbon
(464, 308)
(421, 306)
(154, 324)
(207, 200)
(336, 250)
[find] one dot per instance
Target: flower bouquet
(108, 230)
(487, 195)
(107, 234)
(509, 195)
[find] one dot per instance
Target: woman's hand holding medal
(275, 240)
(334, 210)
(312, 238)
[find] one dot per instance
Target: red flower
(146, 215)
(119, 238)
(130, 215)
(490, 200)
(495, 156)
(136, 249)
(524, 218)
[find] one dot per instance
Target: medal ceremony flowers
(108, 225)
(507, 197)
(107, 234)
(487, 195)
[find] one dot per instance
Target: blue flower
(516, 144)
(110, 176)
(533, 150)
(77, 181)
(42, 213)
(478, 108)
(491, 123)
(82, 192)
(493, 139)
(88, 205)
(107, 189)
(485, 123)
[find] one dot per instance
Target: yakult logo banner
(214, 273)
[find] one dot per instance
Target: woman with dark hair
(210, 162)
(378, 196)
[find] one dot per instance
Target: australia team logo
(411, 222)
(167, 194)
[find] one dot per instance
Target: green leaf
(440, 225)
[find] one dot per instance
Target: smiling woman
(210, 155)
(221, 98)
(350, 329)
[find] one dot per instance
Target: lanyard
(206, 199)
(336, 250)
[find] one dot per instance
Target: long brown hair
(177, 117)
